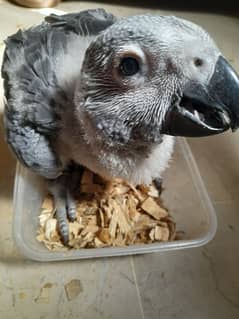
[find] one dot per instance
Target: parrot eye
(198, 62)
(129, 66)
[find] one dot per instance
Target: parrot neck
(137, 164)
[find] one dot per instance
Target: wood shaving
(102, 219)
(47, 204)
(152, 208)
(99, 243)
(153, 192)
(50, 228)
(73, 289)
(43, 296)
(113, 224)
(104, 236)
(112, 213)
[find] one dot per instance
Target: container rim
(129, 250)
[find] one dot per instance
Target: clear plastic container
(185, 196)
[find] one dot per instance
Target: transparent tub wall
(185, 196)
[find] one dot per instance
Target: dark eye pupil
(129, 66)
(198, 62)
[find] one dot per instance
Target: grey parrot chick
(108, 94)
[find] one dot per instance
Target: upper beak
(210, 110)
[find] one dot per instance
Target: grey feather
(35, 98)
(89, 22)
(33, 149)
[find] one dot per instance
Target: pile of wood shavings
(109, 214)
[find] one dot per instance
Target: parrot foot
(63, 190)
(158, 183)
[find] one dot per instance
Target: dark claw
(71, 213)
(158, 183)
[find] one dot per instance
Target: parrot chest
(136, 169)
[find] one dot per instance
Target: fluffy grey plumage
(36, 95)
(67, 99)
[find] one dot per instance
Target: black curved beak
(204, 111)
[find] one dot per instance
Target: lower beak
(210, 110)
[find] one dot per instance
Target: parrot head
(146, 76)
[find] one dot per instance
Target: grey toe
(71, 207)
(63, 224)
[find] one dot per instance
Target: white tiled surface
(193, 284)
